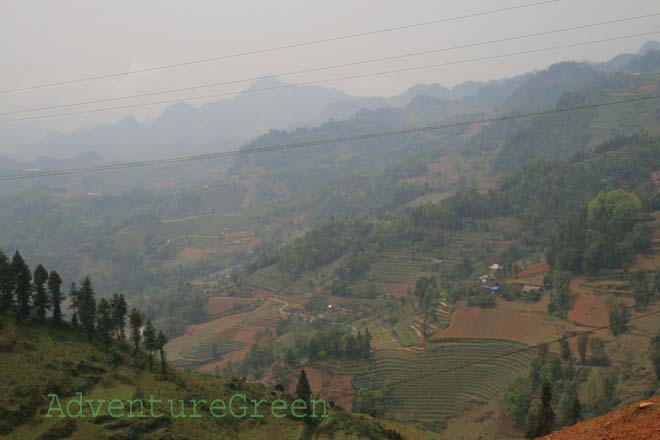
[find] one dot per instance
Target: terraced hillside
(398, 266)
(443, 313)
(434, 399)
(627, 118)
(268, 278)
(211, 341)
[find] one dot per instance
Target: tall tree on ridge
(149, 337)
(119, 311)
(104, 321)
(74, 306)
(135, 321)
(7, 284)
(161, 340)
(87, 307)
(23, 286)
(40, 298)
(56, 297)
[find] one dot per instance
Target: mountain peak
(649, 45)
(267, 82)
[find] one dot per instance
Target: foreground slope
(39, 361)
(635, 422)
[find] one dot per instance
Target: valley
(461, 282)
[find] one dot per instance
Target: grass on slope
(37, 361)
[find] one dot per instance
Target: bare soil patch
(629, 423)
(222, 304)
(396, 289)
(515, 320)
(193, 253)
(590, 308)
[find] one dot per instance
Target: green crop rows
(442, 395)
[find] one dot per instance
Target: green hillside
(37, 361)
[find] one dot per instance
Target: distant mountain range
(229, 123)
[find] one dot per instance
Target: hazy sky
(45, 41)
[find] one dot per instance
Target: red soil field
(509, 320)
(193, 253)
(396, 289)
(534, 270)
(340, 389)
(249, 328)
(231, 319)
(628, 423)
(532, 275)
(589, 308)
(647, 261)
(221, 304)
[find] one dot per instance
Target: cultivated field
(269, 278)
(209, 343)
(514, 320)
(438, 395)
(401, 266)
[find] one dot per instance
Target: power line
(342, 78)
(277, 48)
(337, 66)
(312, 143)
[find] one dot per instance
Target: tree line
(37, 297)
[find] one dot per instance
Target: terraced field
(397, 266)
(440, 396)
(268, 278)
(211, 341)
(443, 313)
(627, 118)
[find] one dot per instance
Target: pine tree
(304, 393)
(104, 321)
(135, 321)
(541, 417)
(598, 350)
(583, 343)
(565, 349)
(40, 298)
(23, 286)
(547, 415)
(654, 354)
(366, 349)
(303, 390)
(7, 284)
(87, 308)
(161, 340)
(75, 300)
(149, 338)
(119, 310)
(575, 411)
(56, 298)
